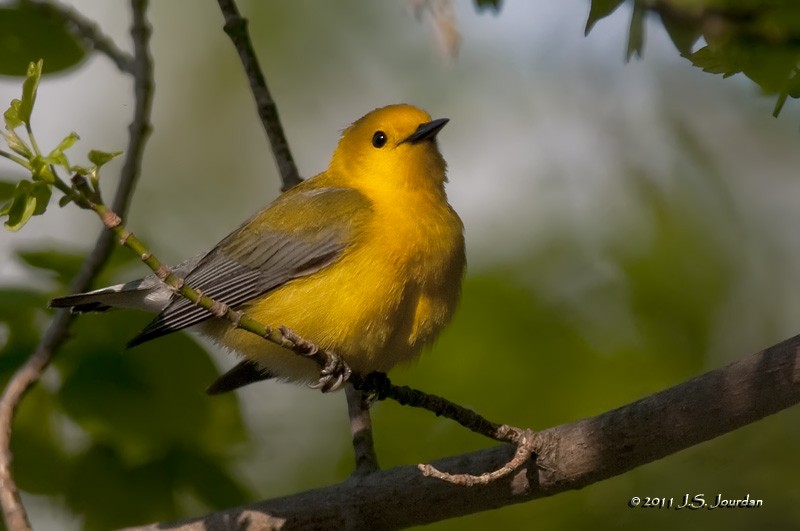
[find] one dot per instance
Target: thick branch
(236, 28)
(570, 456)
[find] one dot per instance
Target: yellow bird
(365, 259)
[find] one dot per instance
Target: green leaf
(99, 158)
(779, 103)
(17, 145)
(63, 264)
(715, 61)
(636, 31)
(600, 9)
(82, 170)
(11, 115)
(57, 156)
(42, 193)
(29, 199)
(20, 208)
(29, 88)
(492, 5)
(64, 200)
(28, 33)
(6, 190)
(151, 401)
(682, 29)
(41, 171)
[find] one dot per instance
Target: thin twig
(88, 32)
(379, 385)
(236, 28)
(26, 376)
(523, 439)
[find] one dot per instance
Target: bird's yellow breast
(393, 290)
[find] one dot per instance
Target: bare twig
(443, 18)
(568, 457)
(30, 372)
(236, 28)
(523, 439)
(379, 385)
(140, 128)
(88, 32)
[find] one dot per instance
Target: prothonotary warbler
(365, 260)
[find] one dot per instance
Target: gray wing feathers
(235, 273)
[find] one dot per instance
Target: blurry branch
(26, 376)
(443, 18)
(87, 31)
(568, 457)
(236, 28)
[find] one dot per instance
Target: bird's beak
(426, 131)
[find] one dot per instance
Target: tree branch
(26, 376)
(236, 28)
(568, 457)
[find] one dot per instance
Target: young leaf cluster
(31, 196)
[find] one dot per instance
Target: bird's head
(393, 147)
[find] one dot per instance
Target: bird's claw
(333, 375)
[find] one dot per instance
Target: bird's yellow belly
(363, 309)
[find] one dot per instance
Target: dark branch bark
(570, 456)
(236, 28)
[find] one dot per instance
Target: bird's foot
(334, 372)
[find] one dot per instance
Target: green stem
(34, 144)
(14, 158)
(126, 238)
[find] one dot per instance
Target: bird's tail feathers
(148, 293)
(142, 294)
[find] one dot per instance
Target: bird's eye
(379, 139)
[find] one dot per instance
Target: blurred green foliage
(760, 39)
(117, 426)
(28, 33)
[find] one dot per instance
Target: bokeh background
(628, 226)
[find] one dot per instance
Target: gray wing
(267, 254)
